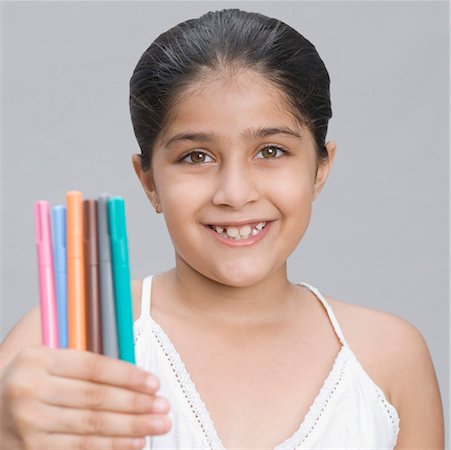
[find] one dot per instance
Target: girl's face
(235, 178)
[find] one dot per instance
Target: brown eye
(196, 158)
(271, 152)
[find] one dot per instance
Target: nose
(236, 185)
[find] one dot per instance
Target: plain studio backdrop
(379, 232)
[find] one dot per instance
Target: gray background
(379, 233)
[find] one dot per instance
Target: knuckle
(30, 443)
(139, 402)
(94, 423)
(19, 360)
(30, 355)
(34, 445)
(94, 367)
(16, 389)
(21, 424)
(140, 427)
(84, 443)
(24, 422)
(27, 364)
(88, 443)
(95, 396)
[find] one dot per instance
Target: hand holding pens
(60, 398)
(97, 315)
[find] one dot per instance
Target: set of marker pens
(84, 275)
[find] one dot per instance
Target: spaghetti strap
(330, 313)
(145, 296)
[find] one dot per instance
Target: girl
(230, 112)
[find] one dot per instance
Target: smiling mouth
(238, 233)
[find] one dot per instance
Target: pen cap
(116, 210)
(74, 221)
(59, 237)
(43, 232)
(90, 231)
(118, 233)
(103, 228)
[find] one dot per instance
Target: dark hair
(228, 40)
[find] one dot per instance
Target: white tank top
(349, 412)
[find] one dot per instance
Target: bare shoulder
(395, 355)
(368, 330)
(380, 340)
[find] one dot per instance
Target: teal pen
(121, 278)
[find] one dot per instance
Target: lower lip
(251, 240)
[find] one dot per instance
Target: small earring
(157, 208)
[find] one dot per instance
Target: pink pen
(47, 292)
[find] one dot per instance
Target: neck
(269, 301)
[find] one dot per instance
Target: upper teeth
(241, 232)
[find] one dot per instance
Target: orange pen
(75, 271)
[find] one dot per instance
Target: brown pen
(93, 313)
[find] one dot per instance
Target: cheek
(293, 196)
(180, 198)
(177, 191)
(293, 189)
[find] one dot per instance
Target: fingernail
(152, 383)
(160, 424)
(160, 405)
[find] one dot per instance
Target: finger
(54, 441)
(101, 423)
(75, 393)
(101, 369)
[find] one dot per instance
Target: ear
(146, 179)
(324, 168)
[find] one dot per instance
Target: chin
(237, 277)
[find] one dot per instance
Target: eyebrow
(248, 133)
